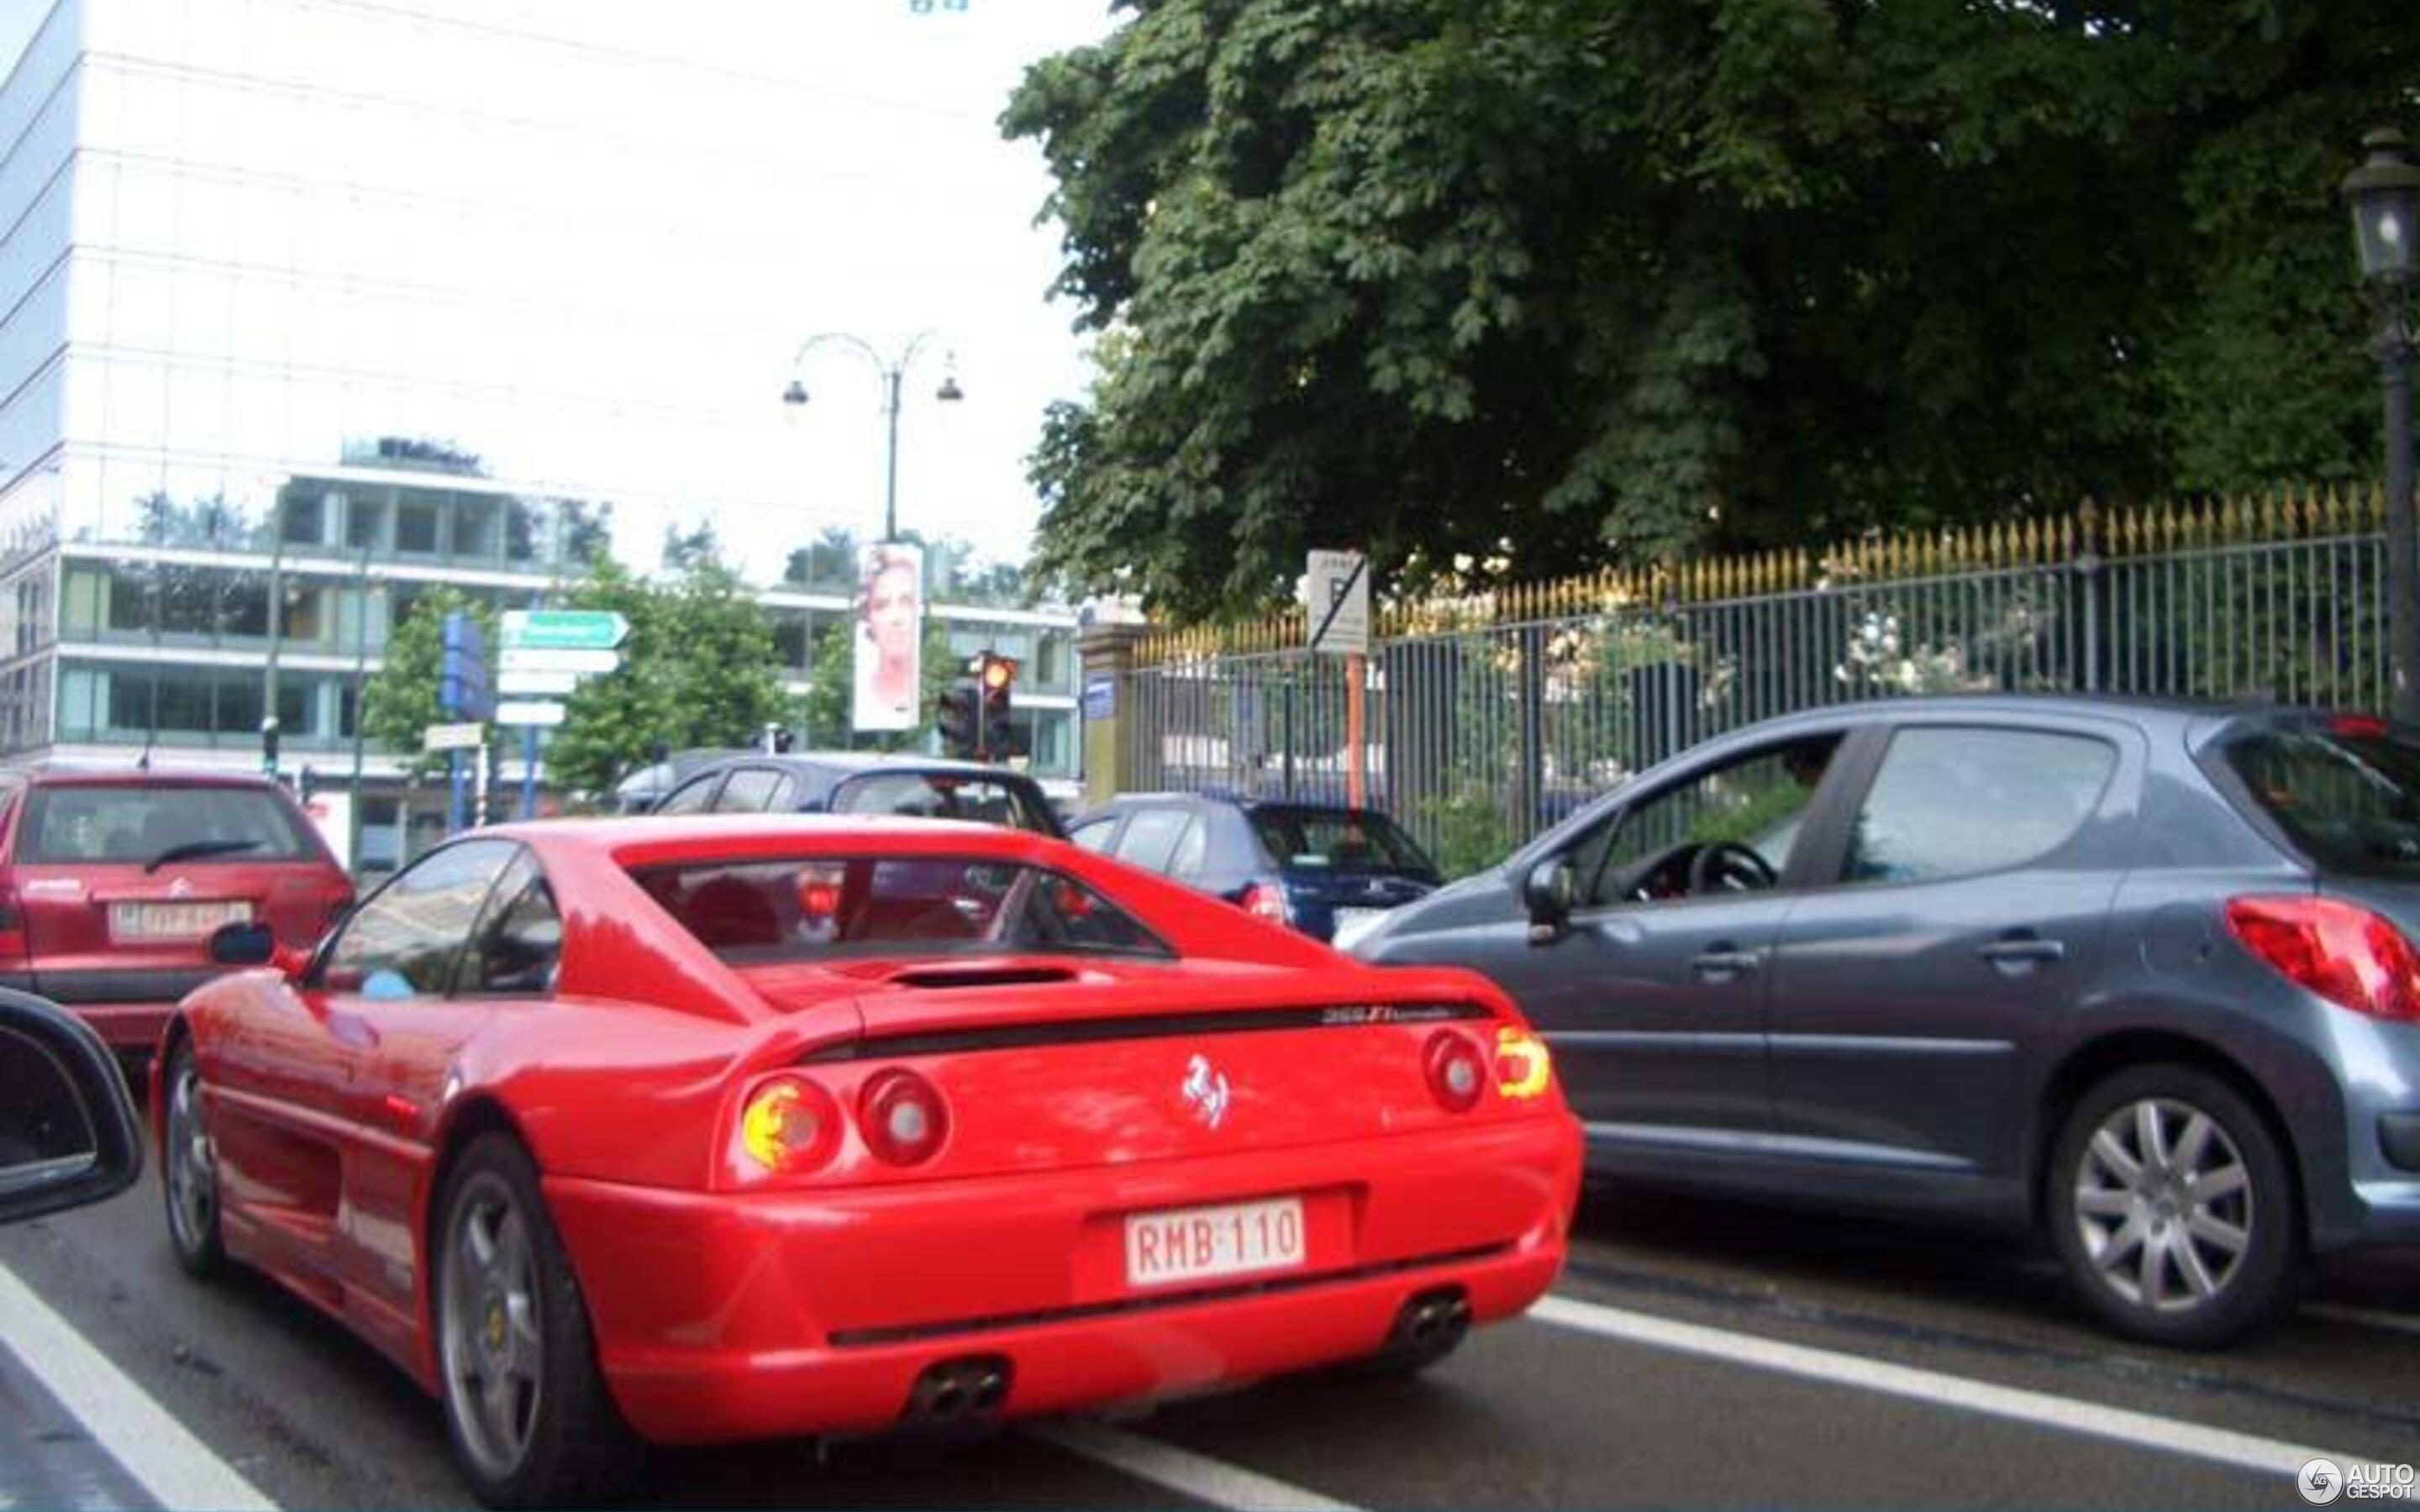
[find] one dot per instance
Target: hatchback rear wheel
(2171, 1208)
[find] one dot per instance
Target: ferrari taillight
(790, 1126)
(1457, 1072)
(1523, 1069)
(902, 1117)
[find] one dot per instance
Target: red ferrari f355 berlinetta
(620, 1133)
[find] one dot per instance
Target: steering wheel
(1733, 865)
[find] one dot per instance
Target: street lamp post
(890, 372)
(2384, 195)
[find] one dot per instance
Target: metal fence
(1490, 716)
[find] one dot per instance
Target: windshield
(116, 825)
(2349, 797)
(794, 909)
(946, 795)
(1338, 840)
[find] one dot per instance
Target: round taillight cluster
(1457, 1069)
(792, 1126)
(902, 1117)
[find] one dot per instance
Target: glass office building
(305, 311)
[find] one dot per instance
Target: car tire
(189, 1179)
(2197, 1245)
(527, 1411)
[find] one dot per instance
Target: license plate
(174, 922)
(1192, 1244)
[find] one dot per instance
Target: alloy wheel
(492, 1343)
(2163, 1203)
(192, 1161)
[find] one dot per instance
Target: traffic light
(958, 714)
(269, 745)
(997, 678)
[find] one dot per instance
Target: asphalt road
(1696, 1355)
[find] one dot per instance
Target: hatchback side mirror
(67, 1135)
(1548, 893)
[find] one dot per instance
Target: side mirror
(68, 1134)
(1548, 891)
(243, 945)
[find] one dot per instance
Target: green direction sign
(564, 629)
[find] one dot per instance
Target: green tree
(698, 670)
(1614, 280)
(401, 700)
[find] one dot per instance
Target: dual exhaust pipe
(957, 1393)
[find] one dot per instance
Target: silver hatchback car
(2137, 975)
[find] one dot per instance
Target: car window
(1756, 801)
(809, 907)
(119, 825)
(518, 943)
(1350, 841)
(750, 789)
(1096, 834)
(692, 796)
(2347, 795)
(1949, 803)
(1151, 837)
(404, 940)
(945, 796)
(1192, 852)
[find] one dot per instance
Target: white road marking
(2366, 1316)
(1199, 1476)
(2166, 1435)
(177, 1468)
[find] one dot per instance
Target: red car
(112, 882)
(692, 1130)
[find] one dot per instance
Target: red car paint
(727, 1304)
(59, 901)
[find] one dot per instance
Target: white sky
(871, 193)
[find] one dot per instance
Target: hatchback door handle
(2025, 951)
(1718, 965)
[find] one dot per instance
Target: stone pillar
(1107, 653)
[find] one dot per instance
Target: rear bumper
(725, 1317)
(129, 1006)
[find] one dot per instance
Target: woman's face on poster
(891, 607)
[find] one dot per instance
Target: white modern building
(301, 313)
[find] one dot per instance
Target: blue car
(1327, 870)
(2138, 977)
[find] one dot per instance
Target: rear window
(139, 826)
(1339, 840)
(946, 795)
(2349, 798)
(802, 909)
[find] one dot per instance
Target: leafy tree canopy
(1614, 280)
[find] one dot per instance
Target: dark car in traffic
(2139, 976)
(112, 881)
(866, 782)
(1328, 870)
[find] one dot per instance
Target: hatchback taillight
(1263, 900)
(2343, 952)
(1457, 1070)
(902, 1117)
